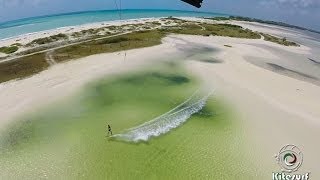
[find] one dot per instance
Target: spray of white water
(164, 123)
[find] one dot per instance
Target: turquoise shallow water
(35, 24)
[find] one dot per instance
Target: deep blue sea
(35, 24)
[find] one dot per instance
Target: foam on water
(166, 122)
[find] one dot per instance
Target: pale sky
(304, 13)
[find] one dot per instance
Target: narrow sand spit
(274, 109)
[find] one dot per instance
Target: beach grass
(30, 65)
(9, 49)
(22, 67)
(47, 40)
(68, 140)
(281, 41)
(248, 19)
(118, 43)
(227, 30)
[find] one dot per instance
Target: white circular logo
(289, 158)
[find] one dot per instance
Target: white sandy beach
(68, 30)
(274, 109)
(26, 38)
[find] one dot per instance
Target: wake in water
(164, 123)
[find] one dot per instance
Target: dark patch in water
(284, 71)
(317, 62)
(212, 61)
(171, 79)
(101, 95)
(276, 67)
(171, 64)
(19, 133)
(204, 113)
(191, 49)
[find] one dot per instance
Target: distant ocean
(35, 24)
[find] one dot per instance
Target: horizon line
(80, 12)
(178, 10)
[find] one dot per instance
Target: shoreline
(81, 12)
(24, 39)
(77, 28)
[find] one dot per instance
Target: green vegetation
(49, 39)
(16, 44)
(156, 23)
(76, 34)
(97, 32)
(9, 49)
(71, 135)
(240, 18)
(29, 65)
(230, 30)
(282, 41)
(92, 33)
(22, 67)
(148, 38)
(267, 37)
(227, 30)
(123, 42)
(177, 20)
(220, 18)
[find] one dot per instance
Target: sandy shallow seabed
(273, 109)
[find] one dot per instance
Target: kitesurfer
(109, 130)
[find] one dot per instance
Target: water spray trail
(165, 122)
(174, 109)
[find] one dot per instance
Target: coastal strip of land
(75, 43)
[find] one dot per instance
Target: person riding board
(109, 130)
